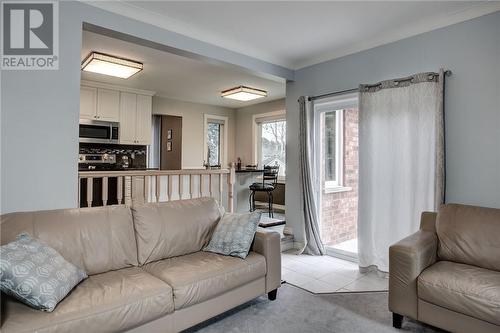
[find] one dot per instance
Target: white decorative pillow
(234, 234)
(36, 274)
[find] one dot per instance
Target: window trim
(224, 120)
(220, 139)
(335, 103)
(257, 119)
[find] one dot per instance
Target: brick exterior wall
(339, 213)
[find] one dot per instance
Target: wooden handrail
(99, 174)
(126, 193)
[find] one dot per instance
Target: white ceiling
(175, 76)
(296, 34)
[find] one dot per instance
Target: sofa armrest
(268, 243)
(407, 259)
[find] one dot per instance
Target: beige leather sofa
(448, 273)
(146, 270)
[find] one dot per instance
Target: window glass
(273, 144)
(330, 148)
(214, 135)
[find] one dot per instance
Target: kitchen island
(241, 194)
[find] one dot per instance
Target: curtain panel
(313, 244)
(401, 161)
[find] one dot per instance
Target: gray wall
(245, 137)
(192, 127)
(39, 109)
(472, 51)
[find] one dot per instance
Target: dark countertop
(119, 169)
(135, 169)
(248, 170)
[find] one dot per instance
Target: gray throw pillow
(36, 274)
(234, 234)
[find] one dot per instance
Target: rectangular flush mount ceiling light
(243, 93)
(106, 64)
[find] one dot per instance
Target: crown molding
(423, 26)
(477, 9)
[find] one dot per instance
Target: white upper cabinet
(88, 102)
(135, 119)
(132, 108)
(128, 111)
(144, 119)
(108, 104)
(99, 104)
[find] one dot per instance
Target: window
(329, 146)
(215, 145)
(273, 144)
(213, 141)
(332, 147)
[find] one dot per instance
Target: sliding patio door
(336, 146)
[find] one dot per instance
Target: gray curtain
(313, 244)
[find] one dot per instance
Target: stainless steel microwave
(97, 131)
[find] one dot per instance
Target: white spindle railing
(158, 185)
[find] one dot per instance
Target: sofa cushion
(96, 240)
(175, 228)
(36, 274)
(108, 302)
(466, 289)
(202, 275)
(234, 234)
(469, 235)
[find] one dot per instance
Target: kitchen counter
(117, 169)
(248, 170)
(244, 178)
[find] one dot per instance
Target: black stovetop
(110, 167)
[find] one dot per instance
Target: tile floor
(327, 274)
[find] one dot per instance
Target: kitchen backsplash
(137, 155)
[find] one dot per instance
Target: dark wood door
(171, 143)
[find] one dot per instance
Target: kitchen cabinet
(144, 119)
(128, 106)
(131, 108)
(135, 118)
(99, 104)
(108, 104)
(88, 102)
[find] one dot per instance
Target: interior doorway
(337, 169)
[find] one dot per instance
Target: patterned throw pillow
(234, 234)
(36, 274)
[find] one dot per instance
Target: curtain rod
(341, 92)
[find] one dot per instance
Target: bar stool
(268, 184)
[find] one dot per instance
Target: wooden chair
(268, 184)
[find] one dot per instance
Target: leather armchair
(447, 274)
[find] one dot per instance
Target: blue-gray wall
(472, 51)
(39, 109)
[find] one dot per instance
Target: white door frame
(320, 106)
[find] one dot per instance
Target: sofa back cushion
(96, 240)
(469, 235)
(169, 229)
